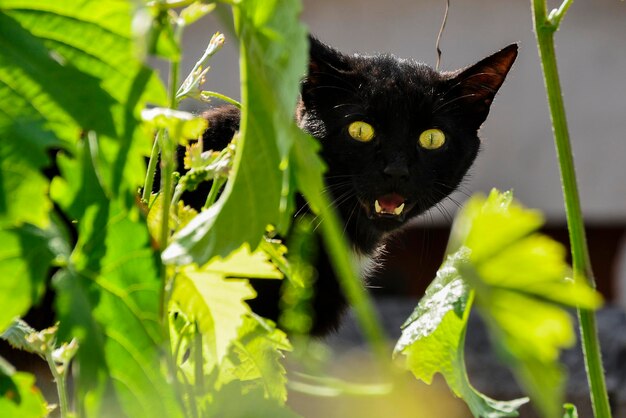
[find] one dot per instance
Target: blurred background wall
(518, 150)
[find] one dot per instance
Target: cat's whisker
(444, 212)
(346, 104)
(465, 79)
(354, 115)
(449, 189)
(339, 200)
(449, 102)
(328, 189)
(345, 227)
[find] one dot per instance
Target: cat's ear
(324, 59)
(327, 67)
(474, 88)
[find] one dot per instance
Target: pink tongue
(389, 202)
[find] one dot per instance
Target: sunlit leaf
(245, 264)
(196, 11)
(520, 282)
(109, 300)
(207, 296)
(19, 397)
(273, 59)
(433, 340)
(21, 184)
(67, 67)
(181, 126)
(25, 256)
(570, 411)
(258, 349)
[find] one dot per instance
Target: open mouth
(390, 206)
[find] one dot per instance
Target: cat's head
(398, 136)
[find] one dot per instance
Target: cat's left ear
(475, 87)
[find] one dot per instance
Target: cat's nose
(397, 171)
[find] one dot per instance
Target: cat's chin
(387, 224)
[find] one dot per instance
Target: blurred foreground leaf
(212, 296)
(19, 397)
(520, 283)
(109, 299)
(258, 350)
(434, 336)
(25, 256)
(273, 59)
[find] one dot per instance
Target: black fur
(400, 98)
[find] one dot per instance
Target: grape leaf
(273, 58)
(216, 304)
(19, 397)
(25, 256)
(181, 126)
(67, 67)
(258, 349)
(519, 282)
(206, 295)
(108, 298)
(433, 338)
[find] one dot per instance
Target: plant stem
(198, 362)
(544, 30)
(59, 379)
(218, 182)
(168, 165)
(352, 287)
(206, 96)
(152, 164)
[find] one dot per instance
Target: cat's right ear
(325, 64)
(475, 87)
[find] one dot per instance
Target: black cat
(398, 137)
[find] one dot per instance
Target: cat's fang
(388, 211)
(398, 210)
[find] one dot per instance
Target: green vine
(545, 27)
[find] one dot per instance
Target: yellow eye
(361, 131)
(432, 139)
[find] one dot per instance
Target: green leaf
(20, 398)
(244, 264)
(181, 126)
(25, 256)
(41, 78)
(161, 38)
(308, 170)
(196, 11)
(109, 299)
(521, 279)
(115, 313)
(433, 340)
(488, 226)
(570, 411)
(520, 283)
(21, 184)
(67, 67)
(17, 337)
(258, 349)
(273, 58)
(206, 295)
